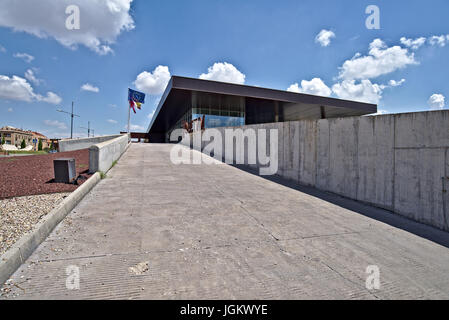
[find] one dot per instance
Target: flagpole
(129, 115)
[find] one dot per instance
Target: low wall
(84, 143)
(103, 155)
(398, 162)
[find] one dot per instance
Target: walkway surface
(155, 230)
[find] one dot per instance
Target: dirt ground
(33, 175)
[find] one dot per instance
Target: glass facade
(219, 110)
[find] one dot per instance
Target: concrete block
(291, 150)
(422, 129)
(307, 152)
(323, 154)
(279, 126)
(9, 262)
(79, 144)
(376, 160)
(103, 155)
(343, 163)
(418, 186)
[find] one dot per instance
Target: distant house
(14, 137)
(46, 142)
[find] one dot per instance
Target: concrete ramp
(154, 230)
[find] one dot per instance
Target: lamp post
(71, 120)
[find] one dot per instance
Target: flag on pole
(135, 99)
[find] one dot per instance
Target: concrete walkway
(217, 232)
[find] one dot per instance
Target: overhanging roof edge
(212, 86)
(161, 103)
(193, 84)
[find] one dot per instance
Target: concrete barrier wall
(103, 155)
(399, 162)
(78, 144)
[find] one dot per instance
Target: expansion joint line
(259, 223)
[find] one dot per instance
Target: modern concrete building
(223, 104)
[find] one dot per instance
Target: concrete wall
(78, 144)
(103, 155)
(398, 162)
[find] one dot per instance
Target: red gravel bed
(32, 175)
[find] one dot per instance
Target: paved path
(213, 232)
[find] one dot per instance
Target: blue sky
(267, 43)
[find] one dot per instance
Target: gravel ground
(32, 175)
(19, 215)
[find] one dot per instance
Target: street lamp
(71, 120)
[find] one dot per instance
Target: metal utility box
(65, 170)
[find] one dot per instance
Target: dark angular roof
(178, 84)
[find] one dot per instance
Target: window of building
(219, 110)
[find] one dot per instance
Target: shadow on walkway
(424, 231)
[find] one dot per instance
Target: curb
(12, 259)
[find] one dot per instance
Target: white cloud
(413, 44)
(17, 88)
(224, 72)
(316, 86)
(380, 61)
(10, 110)
(2, 49)
(51, 97)
(134, 127)
(29, 74)
(101, 22)
(380, 112)
(364, 91)
(324, 37)
(112, 121)
(24, 56)
(56, 124)
(151, 114)
(153, 82)
(394, 83)
(89, 87)
(436, 102)
(439, 40)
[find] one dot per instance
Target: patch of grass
(114, 163)
(102, 175)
